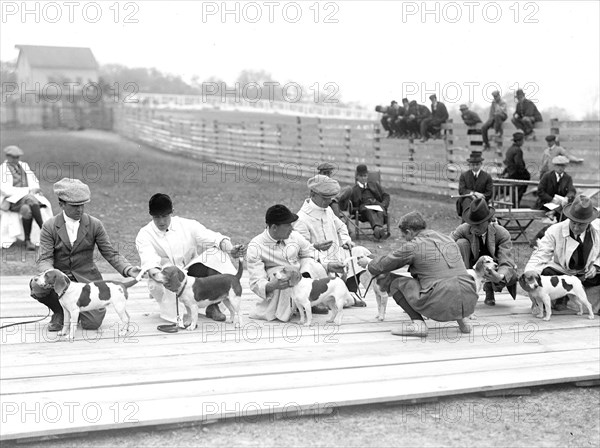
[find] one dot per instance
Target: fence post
(299, 140)
(216, 132)
(449, 139)
(555, 128)
(262, 140)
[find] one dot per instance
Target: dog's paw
(539, 315)
(380, 318)
(590, 316)
(580, 313)
(546, 318)
(472, 317)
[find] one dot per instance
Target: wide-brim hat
(475, 157)
(72, 191)
(478, 212)
(581, 210)
(560, 160)
(13, 151)
(280, 214)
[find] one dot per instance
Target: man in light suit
(474, 182)
(67, 243)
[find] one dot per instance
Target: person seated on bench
(433, 123)
(572, 247)
(553, 150)
(479, 236)
(20, 192)
(555, 190)
(475, 182)
(371, 201)
(469, 117)
(514, 165)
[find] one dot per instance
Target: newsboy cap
(518, 136)
(324, 186)
(551, 138)
(160, 204)
(72, 191)
(13, 151)
(463, 107)
(325, 166)
(560, 160)
(280, 214)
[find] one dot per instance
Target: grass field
(123, 175)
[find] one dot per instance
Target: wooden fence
(294, 146)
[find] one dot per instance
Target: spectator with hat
(416, 113)
(526, 114)
(572, 247)
(475, 182)
(469, 117)
(433, 123)
(279, 246)
(327, 169)
(480, 235)
(514, 165)
(497, 117)
(439, 287)
(187, 244)
(67, 243)
(20, 193)
(327, 233)
(553, 150)
(555, 189)
(371, 201)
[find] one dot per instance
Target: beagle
(76, 297)
(484, 264)
(381, 296)
(204, 291)
(544, 288)
(308, 292)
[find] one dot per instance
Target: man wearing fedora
(279, 246)
(479, 236)
(526, 114)
(572, 247)
(327, 233)
(367, 197)
(553, 150)
(556, 188)
(496, 119)
(20, 192)
(184, 243)
(469, 117)
(475, 182)
(67, 243)
(514, 165)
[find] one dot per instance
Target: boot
(56, 323)
(489, 294)
(561, 304)
(213, 312)
(320, 309)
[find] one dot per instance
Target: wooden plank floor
(103, 380)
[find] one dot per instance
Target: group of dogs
(306, 293)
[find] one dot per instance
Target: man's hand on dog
(239, 250)
(276, 284)
(492, 276)
(591, 272)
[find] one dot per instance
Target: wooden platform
(104, 381)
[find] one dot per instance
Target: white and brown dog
(76, 297)
(308, 292)
(482, 266)
(542, 289)
(204, 291)
(381, 296)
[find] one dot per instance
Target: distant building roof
(59, 57)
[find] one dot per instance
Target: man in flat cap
(367, 197)
(20, 193)
(279, 246)
(327, 233)
(496, 119)
(555, 189)
(433, 123)
(526, 114)
(67, 243)
(553, 150)
(514, 165)
(187, 244)
(469, 117)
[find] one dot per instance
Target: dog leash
(360, 295)
(26, 322)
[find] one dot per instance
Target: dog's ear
(294, 277)
(478, 265)
(61, 282)
(180, 276)
(538, 279)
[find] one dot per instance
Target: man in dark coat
(556, 187)
(526, 114)
(514, 165)
(475, 182)
(480, 236)
(416, 114)
(469, 117)
(439, 115)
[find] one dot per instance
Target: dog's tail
(238, 275)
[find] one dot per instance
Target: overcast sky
(374, 51)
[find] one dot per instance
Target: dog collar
(60, 296)
(178, 293)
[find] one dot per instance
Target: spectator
(416, 114)
(269, 252)
(327, 169)
(326, 232)
(551, 152)
(514, 165)
(572, 247)
(475, 182)
(439, 287)
(371, 201)
(385, 119)
(401, 124)
(556, 188)
(439, 115)
(526, 114)
(479, 236)
(20, 192)
(469, 117)
(67, 243)
(498, 115)
(187, 244)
